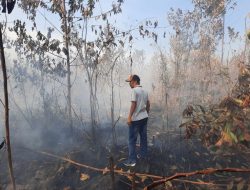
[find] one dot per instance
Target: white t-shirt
(139, 96)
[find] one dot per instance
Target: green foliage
(226, 124)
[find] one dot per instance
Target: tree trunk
(223, 40)
(66, 39)
(113, 110)
(247, 43)
(92, 110)
(6, 106)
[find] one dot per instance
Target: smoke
(38, 111)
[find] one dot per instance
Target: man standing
(137, 120)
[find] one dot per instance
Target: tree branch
(194, 182)
(200, 172)
(2, 103)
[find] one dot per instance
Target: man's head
(133, 80)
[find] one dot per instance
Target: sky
(135, 12)
(138, 10)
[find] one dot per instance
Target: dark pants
(135, 128)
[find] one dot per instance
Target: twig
(117, 121)
(121, 172)
(18, 107)
(72, 162)
(133, 181)
(86, 133)
(194, 182)
(112, 174)
(49, 21)
(2, 103)
(2, 143)
(125, 182)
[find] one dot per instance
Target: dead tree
(6, 108)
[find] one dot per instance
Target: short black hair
(136, 78)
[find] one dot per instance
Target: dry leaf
(173, 167)
(241, 185)
(120, 170)
(224, 138)
(121, 159)
(197, 153)
(130, 177)
(106, 170)
(84, 177)
(247, 136)
(143, 178)
(168, 184)
(230, 185)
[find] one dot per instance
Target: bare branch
(194, 182)
(200, 172)
(2, 103)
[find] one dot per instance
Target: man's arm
(148, 106)
(132, 110)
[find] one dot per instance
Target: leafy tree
(57, 56)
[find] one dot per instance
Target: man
(137, 120)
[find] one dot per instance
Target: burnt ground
(169, 153)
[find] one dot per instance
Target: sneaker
(130, 163)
